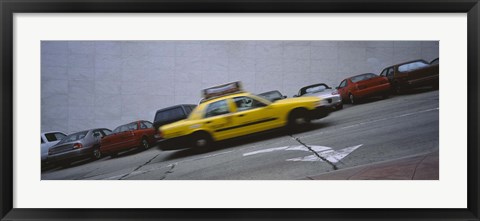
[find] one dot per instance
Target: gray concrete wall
(86, 84)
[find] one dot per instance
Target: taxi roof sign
(221, 90)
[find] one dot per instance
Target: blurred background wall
(87, 84)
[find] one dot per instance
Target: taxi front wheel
(298, 119)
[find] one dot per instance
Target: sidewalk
(421, 167)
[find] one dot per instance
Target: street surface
(376, 130)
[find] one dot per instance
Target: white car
(331, 99)
(49, 139)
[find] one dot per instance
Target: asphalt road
(376, 130)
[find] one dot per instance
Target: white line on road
(265, 151)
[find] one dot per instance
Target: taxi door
(218, 119)
(252, 115)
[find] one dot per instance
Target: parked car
(228, 112)
(49, 139)
(329, 96)
(411, 74)
(83, 144)
(138, 134)
(272, 95)
(435, 61)
(362, 86)
(171, 114)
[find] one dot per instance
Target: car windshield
(74, 137)
(271, 95)
(363, 77)
(313, 89)
(412, 66)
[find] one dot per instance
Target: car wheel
(113, 154)
(144, 144)
(201, 141)
(385, 95)
(397, 89)
(64, 164)
(298, 120)
(435, 85)
(96, 154)
(340, 106)
(352, 99)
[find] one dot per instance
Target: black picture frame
(9, 7)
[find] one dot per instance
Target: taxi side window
(217, 108)
(247, 103)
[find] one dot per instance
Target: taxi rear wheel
(201, 141)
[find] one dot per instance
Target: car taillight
(160, 134)
(77, 145)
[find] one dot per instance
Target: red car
(138, 134)
(364, 85)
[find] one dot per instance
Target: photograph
(239, 110)
(251, 110)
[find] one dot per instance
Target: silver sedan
(331, 99)
(83, 144)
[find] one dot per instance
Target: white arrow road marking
(327, 153)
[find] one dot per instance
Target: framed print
(252, 110)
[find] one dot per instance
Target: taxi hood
(297, 100)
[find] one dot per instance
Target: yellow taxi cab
(226, 111)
